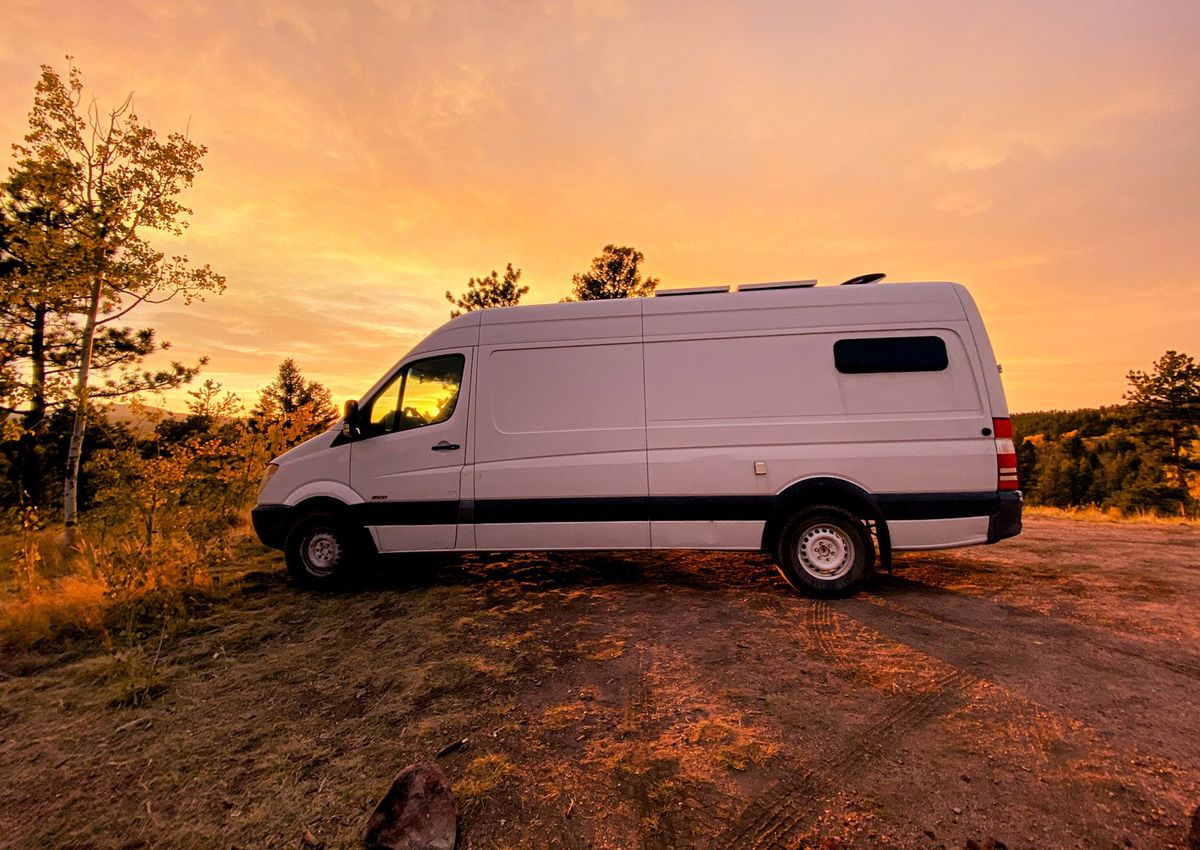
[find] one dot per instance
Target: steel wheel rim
(826, 552)
(322, 551)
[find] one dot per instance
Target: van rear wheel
(826, 551)
(319, 549)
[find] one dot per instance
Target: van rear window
(890, 354)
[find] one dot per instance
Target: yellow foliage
(72, 604)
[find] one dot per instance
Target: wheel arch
(329, 505)
(335, 491)
(827, 490)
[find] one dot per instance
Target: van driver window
(420, 394)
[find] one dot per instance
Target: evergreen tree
(489, 291)
(299, 405)
(1167, 400)
(614, 274)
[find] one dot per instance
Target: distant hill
(140, 425)
(1088, 421)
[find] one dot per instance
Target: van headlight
(268, 474)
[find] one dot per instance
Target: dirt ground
(1041, 693)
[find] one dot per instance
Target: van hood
(309, 447)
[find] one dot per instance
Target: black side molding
(902, 506)
(272, 522)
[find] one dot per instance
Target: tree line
(1142, 456)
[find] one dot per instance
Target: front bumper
(1006, 522)
(272, 523)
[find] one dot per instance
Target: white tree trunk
(75, 452)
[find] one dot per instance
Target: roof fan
(865, 278)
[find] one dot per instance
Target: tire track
(975, 607)
(889, 604)
(655, 823)
(1191, 669)
(778, 817)
(671, 814)
(827, 634)
(790, 805)
(769, 603)
(703, 813)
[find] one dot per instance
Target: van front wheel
(826, 551)
(318, 550)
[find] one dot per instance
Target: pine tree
(614, 274)
(1167, 400)
(489, 291)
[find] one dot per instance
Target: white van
(819, 424)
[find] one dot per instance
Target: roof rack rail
(778, 284)
(695, 290)
(874, 277)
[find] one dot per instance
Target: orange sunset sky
(365, 157)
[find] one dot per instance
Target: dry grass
(41, 550)
(71, 605)
(484, 776)
(1092, 513)
(558, 717)
(734, 747)
(49, 593)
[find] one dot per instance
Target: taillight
(1006, 455)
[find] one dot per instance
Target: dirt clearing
(1043, 693)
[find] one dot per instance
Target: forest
(1137, 458)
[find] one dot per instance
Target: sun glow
(364, 160)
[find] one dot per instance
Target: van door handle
(444, 446)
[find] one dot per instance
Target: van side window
(422, 393)
(890, 354)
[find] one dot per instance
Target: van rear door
(408, 461)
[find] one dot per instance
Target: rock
(418, 813)
(1194, 832)
(989, 843)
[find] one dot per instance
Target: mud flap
(883, 543)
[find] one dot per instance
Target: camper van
(826, 425)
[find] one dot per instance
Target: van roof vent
(779, 284)
(864, 278)
(695, 290)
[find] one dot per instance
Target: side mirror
(350, 419)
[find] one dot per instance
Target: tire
(825, 551)
(320, 551)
